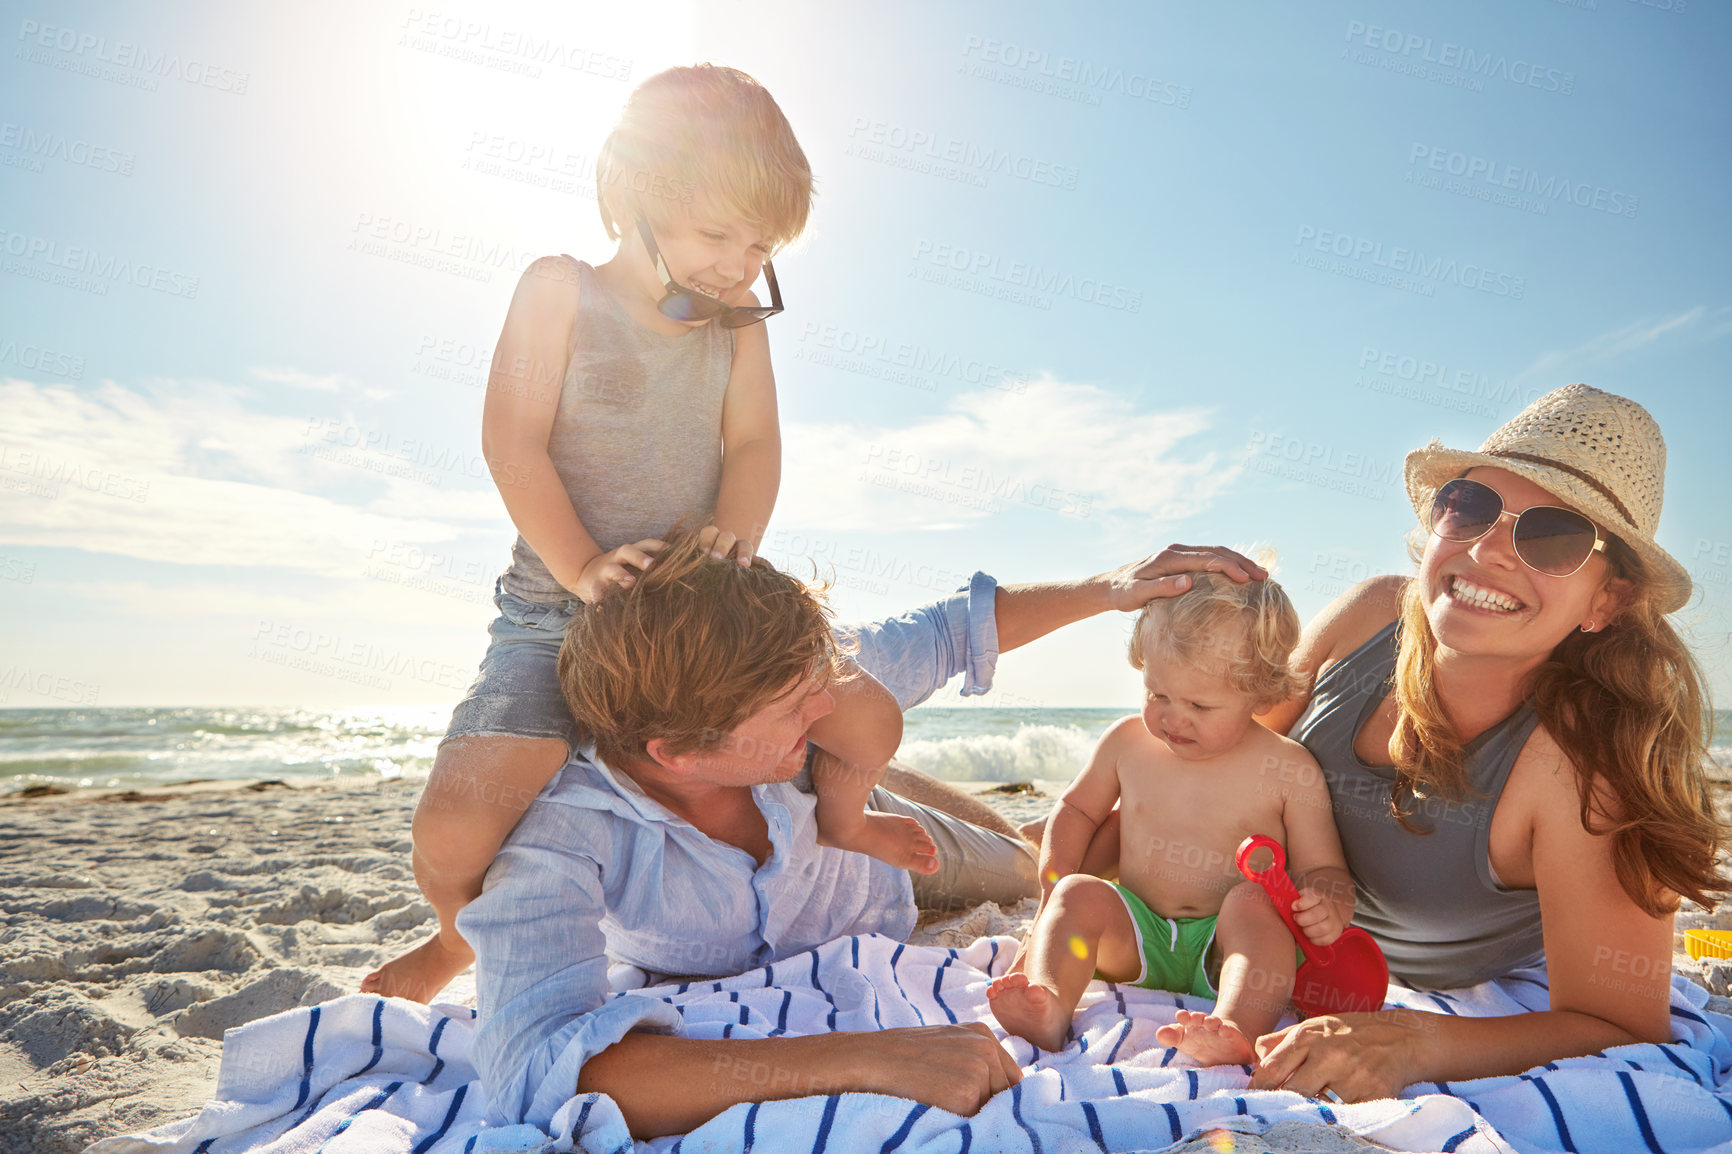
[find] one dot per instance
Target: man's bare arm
(1026, 612)
(667, 1085)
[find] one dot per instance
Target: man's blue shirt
(596, 870)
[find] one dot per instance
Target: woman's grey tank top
(1430, 899)
(637, 437)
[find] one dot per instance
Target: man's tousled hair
(688, 652)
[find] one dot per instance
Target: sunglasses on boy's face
(684, 304)
(1548, 539)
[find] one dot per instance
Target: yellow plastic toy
(1708, 943)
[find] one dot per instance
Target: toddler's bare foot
(895, 840)
(1210, 1040)
(420, 973)
(1029, 1011)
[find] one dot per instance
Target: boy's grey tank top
(637, 437)
(1430, 899)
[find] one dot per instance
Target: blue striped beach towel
(367, 1074)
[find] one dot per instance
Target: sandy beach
(139, 925)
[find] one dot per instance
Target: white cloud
(184, 474)
(1069, 450)
(330, 383)
(1558, 367)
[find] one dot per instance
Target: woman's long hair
(1627, 707)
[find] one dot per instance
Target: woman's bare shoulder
(1342, 626)
(1352, 619)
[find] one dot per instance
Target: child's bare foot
(420, 973)
(895, 840)
(1029, 1011)
(1210, 1040)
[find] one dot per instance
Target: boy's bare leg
(479, 788)
(942, 796)
(1083, 928)
(1256, 983)
(845, 823)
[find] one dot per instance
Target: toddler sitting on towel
(1193, 776)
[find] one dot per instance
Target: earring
(1588, 628)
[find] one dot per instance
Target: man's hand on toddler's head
(1167, 573)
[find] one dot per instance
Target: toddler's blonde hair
(1246, 630)
(707, 136)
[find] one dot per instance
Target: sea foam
(1033, 751)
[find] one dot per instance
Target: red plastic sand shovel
(1349, 976)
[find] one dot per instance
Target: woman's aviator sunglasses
(684, 304)
(1548, 539)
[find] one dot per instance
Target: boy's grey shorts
(517, 694)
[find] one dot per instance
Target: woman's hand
(615, 567)
(1166, 574)
(1358, 1056)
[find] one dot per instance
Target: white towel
(363, 1073)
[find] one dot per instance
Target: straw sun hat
(1597, 452)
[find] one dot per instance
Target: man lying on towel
(677, 842)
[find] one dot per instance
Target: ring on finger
(1326, 1092)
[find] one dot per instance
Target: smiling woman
(1515, 742)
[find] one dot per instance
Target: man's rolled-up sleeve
(541, 978)
(915, 653)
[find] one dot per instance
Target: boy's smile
(716, 254)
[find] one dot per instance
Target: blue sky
(1079, 284)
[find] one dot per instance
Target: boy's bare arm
(523, 390)
(1082, 807)
(751, 443)
(865, 728)
(1314, 857)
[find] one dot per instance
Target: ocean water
(131, 748)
